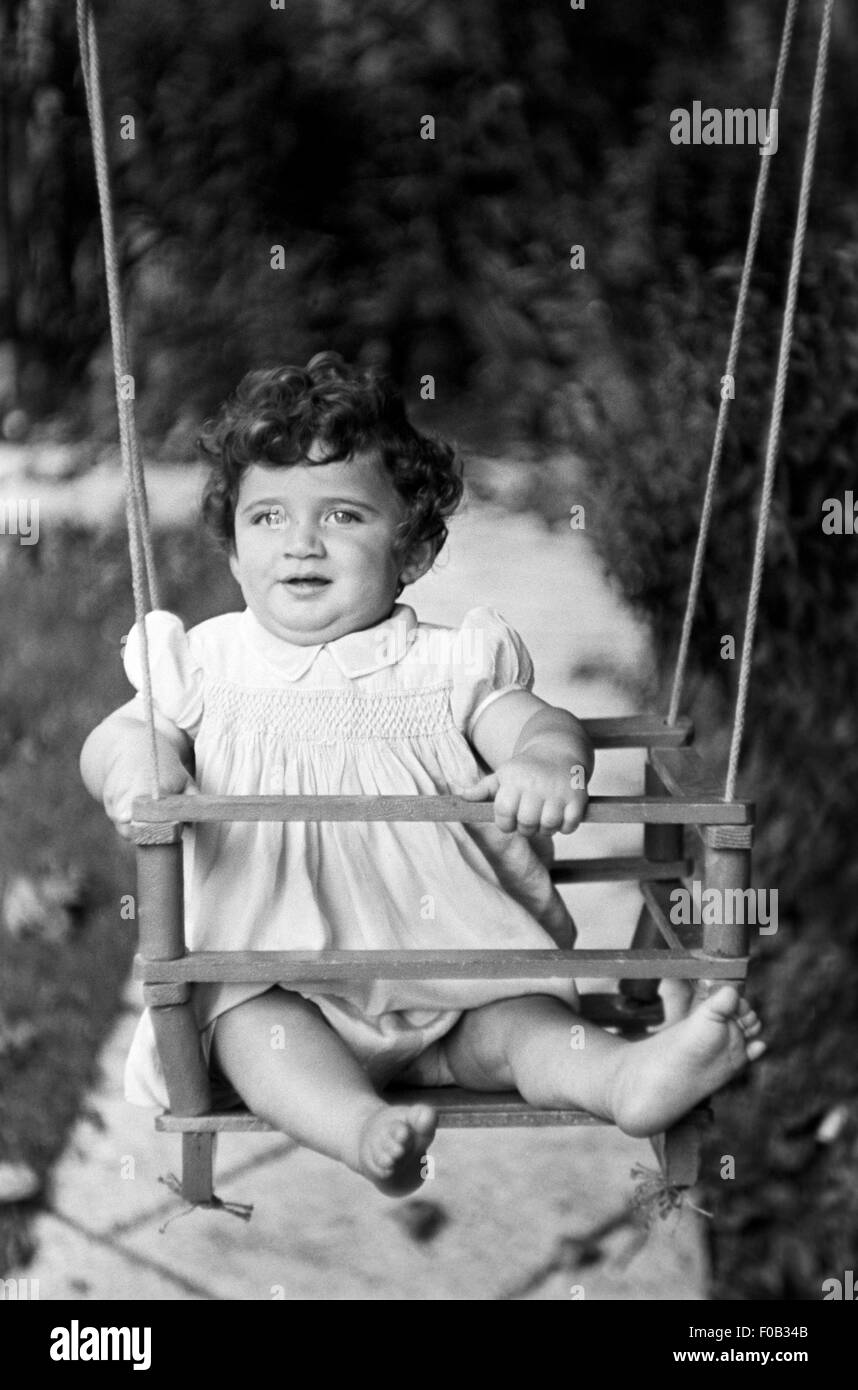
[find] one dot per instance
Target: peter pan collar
(356, 653)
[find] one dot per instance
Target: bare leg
(291, 1068)
(553, 1058)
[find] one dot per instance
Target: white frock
(386, 710)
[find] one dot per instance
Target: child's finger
(506, 809)
(480, 791)
(529, 814)
(119, 812)
(573, 814)
(551, 819)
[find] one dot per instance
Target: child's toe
(744, 1011)
(398, 1134)
(725, 1003)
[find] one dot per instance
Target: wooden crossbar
(638, 731)
(651, 810)
(614, 869)
(684, 773)
(657, 898)
(328, 967)
(457, 1109)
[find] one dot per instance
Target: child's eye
(272, 517)
(344, 518)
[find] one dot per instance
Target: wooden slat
(678, 1150)
(197, 1166)
(155, 834)
(616, 869)
(154, 996)
(726, 836)
(657, 898)
(690, 936)
(661, 844)
(178, 1040)
(638, 731)
(327, 967)
(212, 1122)
(457, 1109)
(684, 773)
(613, 810)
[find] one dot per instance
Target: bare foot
(392, 1145)
(660, 1080)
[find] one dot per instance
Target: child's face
(315, 551)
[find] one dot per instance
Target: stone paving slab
(71, 1264)
(319, 1232)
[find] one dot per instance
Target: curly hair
(277, 415)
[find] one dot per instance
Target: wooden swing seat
(680, 795)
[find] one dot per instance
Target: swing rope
(729, 371)
(779, 397)
(143, 578)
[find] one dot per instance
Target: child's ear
(418, 562)
(233, 566)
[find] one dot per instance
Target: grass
(66, 606)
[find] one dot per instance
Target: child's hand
(532, 795)
(128, 777)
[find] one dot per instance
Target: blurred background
(255, 128)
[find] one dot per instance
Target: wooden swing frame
(681, 795)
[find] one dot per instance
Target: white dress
(386, 710)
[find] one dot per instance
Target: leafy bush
(790, 1218)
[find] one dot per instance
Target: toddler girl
(328, 503)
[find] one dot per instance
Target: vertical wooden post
(726, 869)
(678, 1149)
(661, 842)
(162, 937)
(160, 907)
(198, 1167)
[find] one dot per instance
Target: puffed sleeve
(491, 660)
(177, 678)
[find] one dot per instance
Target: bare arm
(542, 759)
(114, 762)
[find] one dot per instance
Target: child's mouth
(306, 584)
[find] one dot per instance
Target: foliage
(789, 1220)
(62, 619)
(256, 127)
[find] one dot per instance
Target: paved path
(504, 1204)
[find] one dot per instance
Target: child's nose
(304, 539)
